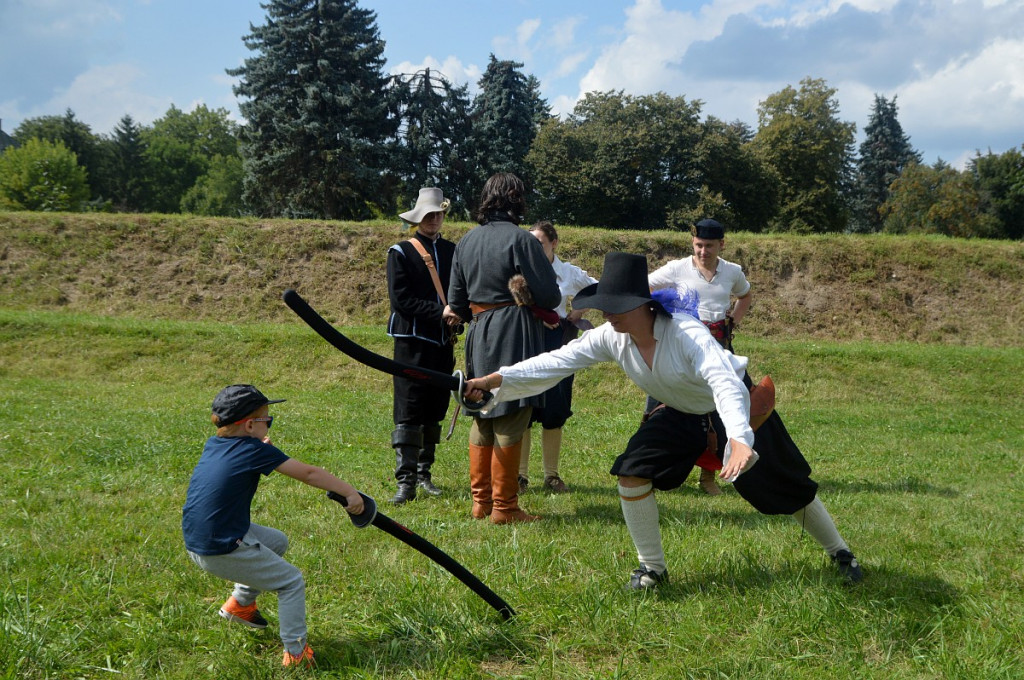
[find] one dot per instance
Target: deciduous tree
(936, 200)
(42, 175)
(800, 135)
(619, 161)
(738, 187)
(179, 148)
(76, 136)
(1000, 179)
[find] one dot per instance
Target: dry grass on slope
(878, 287)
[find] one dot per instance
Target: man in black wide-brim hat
(675, 359)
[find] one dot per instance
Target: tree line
(327, 134)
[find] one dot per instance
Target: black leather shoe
(406, 492)
(644, 579)
(848, 566)
(428, 487)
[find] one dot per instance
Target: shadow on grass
(424, 642)
(910, 593)
(894, 486)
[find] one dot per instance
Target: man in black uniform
(418, 274)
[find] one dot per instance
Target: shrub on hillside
(44, 176)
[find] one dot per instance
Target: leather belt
(479, 308)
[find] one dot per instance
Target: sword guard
(471, 406)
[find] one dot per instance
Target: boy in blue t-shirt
(219, 535)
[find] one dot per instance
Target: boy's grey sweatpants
(257, 565)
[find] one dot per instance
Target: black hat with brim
(234, 402)
(623, 286)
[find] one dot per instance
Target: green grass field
(917, 449)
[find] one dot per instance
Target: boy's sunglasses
(269, 420)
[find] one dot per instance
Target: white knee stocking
(816, 521)
(640, 510)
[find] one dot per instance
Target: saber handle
(460, 399)
(363, 519)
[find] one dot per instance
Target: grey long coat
(485, 259)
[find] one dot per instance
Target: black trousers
(665, 448)
(416, 403)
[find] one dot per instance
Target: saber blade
(452, 383)
(414, 540)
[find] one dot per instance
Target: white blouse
(691, 372)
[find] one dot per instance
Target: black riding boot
(431, 437)
(407, 441)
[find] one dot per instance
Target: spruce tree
(317, 111)
(506, 116)
(884, 153)
(127, 166)
(434, 137)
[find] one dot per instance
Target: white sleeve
(544, 371)
(740, 286)
(719, 368)
(664, 277)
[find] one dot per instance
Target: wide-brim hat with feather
(430, 200)
(623, 286)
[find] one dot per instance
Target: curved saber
(454, 383)
(371, 515)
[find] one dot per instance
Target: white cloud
(569, 64)
(518, 47)
(563, 34)
(985, 91)
(103, 95)
(526, 30)
(638, 64)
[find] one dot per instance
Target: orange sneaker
(248, 616)
(304, 659)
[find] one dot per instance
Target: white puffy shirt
(571, 280)
(691, 372)
(714, 294)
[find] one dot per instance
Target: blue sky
(955, 66)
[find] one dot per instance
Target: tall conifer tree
(317, 111)
(127, 171)
(507, 113)
(434, 137)
(884, 153)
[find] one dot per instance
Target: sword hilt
(471, 406)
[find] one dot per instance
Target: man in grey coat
(501, 333)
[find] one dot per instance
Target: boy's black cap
(234, 402)
(709, 229)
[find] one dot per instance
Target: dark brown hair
(545, 227)
(502, 193)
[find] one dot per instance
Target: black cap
(234, 402)
(709, 229)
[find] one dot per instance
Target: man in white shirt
(675, 360)
(716, 282)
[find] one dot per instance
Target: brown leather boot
(708, 484)
(480, 479)
(505, 486)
